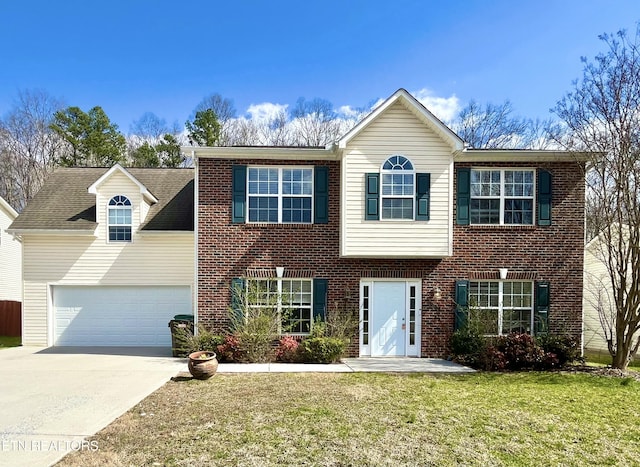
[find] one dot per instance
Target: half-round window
(397, 162)
(398, 188)
(119, 219)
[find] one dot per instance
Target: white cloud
(265, 111)
(445, 108)
(348, 111)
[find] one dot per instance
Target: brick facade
(553, 253)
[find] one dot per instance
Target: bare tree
(601, 114)
(315, 122)
(225, 113)
(149, 127)
(29, 149)
(490, 126)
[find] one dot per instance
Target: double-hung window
(501, 307)
(280, 195)
(502, 196)
(398, 188)
(290, 299)
(397, 192)
(119, 219)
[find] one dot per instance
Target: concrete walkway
(351, 365)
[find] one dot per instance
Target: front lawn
(378, 419)
(6, 341)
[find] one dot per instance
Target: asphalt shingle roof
(64, 202)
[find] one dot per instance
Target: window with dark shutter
(462, 304)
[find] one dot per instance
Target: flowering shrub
(230, 350)
(287, 350)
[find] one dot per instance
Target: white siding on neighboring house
(10, 258)
(151, 259)
(396, 131)
(597, 294)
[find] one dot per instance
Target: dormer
(397, 183)
(122, 204)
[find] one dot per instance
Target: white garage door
(117, 316)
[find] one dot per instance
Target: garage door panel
(117, 316)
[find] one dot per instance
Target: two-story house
(400, 221)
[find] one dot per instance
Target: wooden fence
(10, 318)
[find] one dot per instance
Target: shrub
(467, 341)
(254, 327)
(187, 342)
(288, 350)
(520, 351)
(468, 346)
(322, 349)
(491, 359)
(230, 350)
(564, 348)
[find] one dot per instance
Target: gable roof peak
(93, 189)
(414, 106)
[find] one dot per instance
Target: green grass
(9, 341)
(367, 419)
(603, 358)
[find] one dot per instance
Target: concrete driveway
(51, 399)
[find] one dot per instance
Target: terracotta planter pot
(203, 364)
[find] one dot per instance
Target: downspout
(195, 240)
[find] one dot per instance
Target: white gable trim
(401, 95)
(12, 213)
(93, 189)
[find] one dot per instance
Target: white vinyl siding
(10, 261)
(159, 259)
(155, 259)
(396, 131)
(597, 293)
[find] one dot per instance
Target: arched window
(119, 219)
(398, 188)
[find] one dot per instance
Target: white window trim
(119, 208)
(412, 197)
(500, 307)
(280, 194)
(279, 282)
(502, 196)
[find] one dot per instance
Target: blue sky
(130, 57)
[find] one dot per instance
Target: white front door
(389, 313)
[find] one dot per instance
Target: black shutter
(372, 197)
(237, 299)
(320, 287)
(544, 197)
(321, 195)
(463, 198)
(462, 304)
(541, 313)
(239, 182)
(423, 195)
